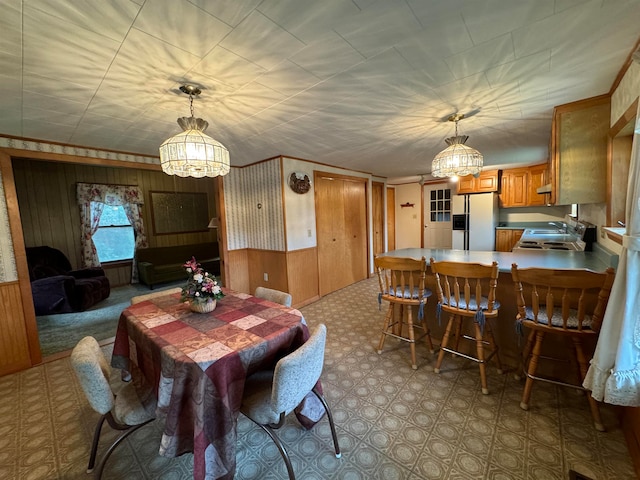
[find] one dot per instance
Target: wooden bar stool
(402, 282)
(467, 291)
(570, 303)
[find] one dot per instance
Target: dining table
(198, 362)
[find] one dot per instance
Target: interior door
(341, 223)
(391, 219)
(437, 215)
(377, 200)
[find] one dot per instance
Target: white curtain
(614, 373)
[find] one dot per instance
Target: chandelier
(193, 153)
(457, 159)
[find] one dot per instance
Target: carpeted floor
(393, 422)
(59, 333)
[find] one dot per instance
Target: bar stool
(467, 292)
(570, 303)
(402, 282)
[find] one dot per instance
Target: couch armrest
(87, 272)
(51, 294)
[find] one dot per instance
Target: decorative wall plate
(299, 182)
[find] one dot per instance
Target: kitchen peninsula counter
(508, 340)
(596, 261)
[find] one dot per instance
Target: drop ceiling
(361, 84)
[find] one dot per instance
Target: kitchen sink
(546, 231)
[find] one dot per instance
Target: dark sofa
(164, 264)
(58, 289)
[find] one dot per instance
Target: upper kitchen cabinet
(519, 186)
(578, 157)
(487, 182)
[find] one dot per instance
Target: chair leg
(412, 342)
(428, 335)
(445, 342)
(458, 334)
(280, 445)
(494, 346)
(94, 444)
(531, 370)
(387, 321)
(583, 363)
(481, 363)
(526, 352)
(98, 472)
(331, 424)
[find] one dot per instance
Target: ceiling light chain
(192, 153)
(457, 159)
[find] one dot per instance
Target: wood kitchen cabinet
(487, 182)
(519, 186)
(578, 156)
(506, 238)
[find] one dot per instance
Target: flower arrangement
(201, 287)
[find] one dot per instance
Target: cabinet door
(536, 180)
(466, 185)
(519, 188)
(503, 240)
(487, 182)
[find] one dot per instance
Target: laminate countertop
(542, 259)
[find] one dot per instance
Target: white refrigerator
(475, 218)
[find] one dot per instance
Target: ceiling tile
(110, 19)
(308, 19)
(523, 67)
(261, 41)
(288, 79)
(182, 25)
(329, 55)
(481, 57)
(11, 27)
(232, 12)
(227, 67)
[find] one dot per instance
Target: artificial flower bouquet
(201, 287)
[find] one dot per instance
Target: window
(114, 238)
(440, 205)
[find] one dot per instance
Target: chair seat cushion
(556, 318)
(128, 408)
(404, 292)
(473, 305)
(256, 401)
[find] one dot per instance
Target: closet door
(341, 225)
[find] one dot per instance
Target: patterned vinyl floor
(393, 422)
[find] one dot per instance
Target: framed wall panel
(179, 212)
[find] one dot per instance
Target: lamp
(457, 159)
(192, 153)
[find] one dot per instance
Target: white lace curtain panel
(91, 198)
(614, 373)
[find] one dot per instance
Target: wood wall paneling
(273, 263)
(14, 344)
(238, 270)
(50, 214)
(302, 274)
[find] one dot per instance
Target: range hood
(544, 189)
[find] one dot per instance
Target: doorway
(341, 223)
(437, 216)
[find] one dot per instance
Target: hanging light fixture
(457, 159)
(193, 153)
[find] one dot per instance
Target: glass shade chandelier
(457, 159)
(193, 153)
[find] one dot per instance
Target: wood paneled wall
(14, 347)
(270, 262)
(238, 270)
(302, 276)
(50, 216)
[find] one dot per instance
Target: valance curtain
(92, 197)
(614, 373)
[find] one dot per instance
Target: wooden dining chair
(270, 395)
(568, 303)
(124, 412)
(466, 291)
(275, 296)
(402, 282)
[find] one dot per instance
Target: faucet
(562, 226)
